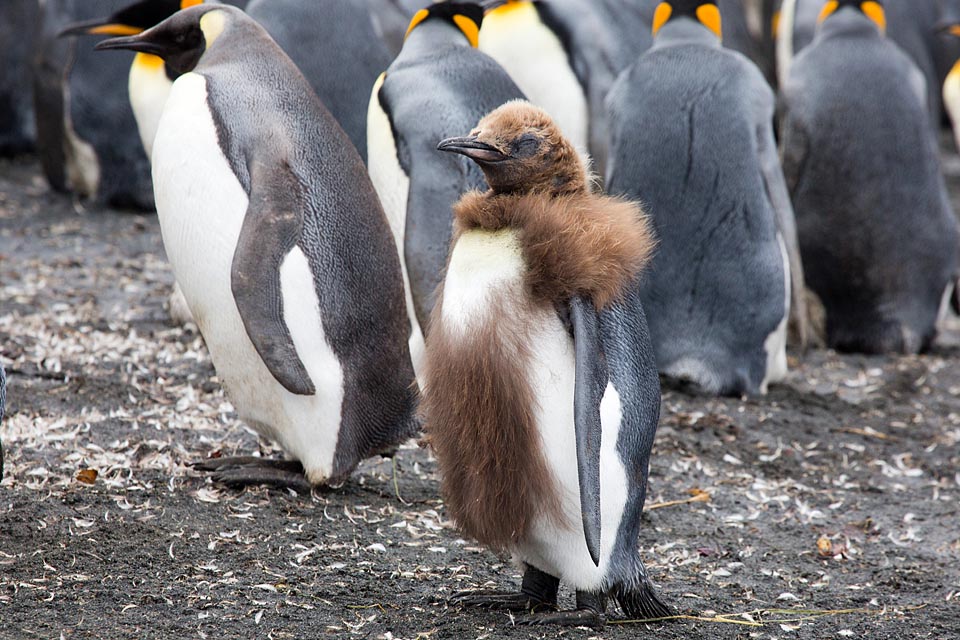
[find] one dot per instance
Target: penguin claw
(575, 618)
(508, 601)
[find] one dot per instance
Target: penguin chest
(534, 56)
(149, 87)
(559, 548)
(201, 206)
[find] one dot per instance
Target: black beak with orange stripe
(706, 12)
(873, 9)
(130, 20)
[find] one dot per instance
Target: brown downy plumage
(478, 405)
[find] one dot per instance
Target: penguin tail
(640, 601)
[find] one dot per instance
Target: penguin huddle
(419, 244)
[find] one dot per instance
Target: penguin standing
(18, 19)
(86, 132)
(538, 356)
(858, 157)
(280, 246)
(692, 138)
(438, 86)
(336, 46)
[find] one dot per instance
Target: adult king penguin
(280, 245)
(692, 138)
(857, 157)
(439, 72)
(539, 357)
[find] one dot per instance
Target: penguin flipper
(270, 230)
(779, 198)
(590, 383)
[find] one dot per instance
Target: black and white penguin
(692, 138)
(438, 86)
(858, 153)
(335, 44)
(538, 356)
(948, 27)
(18, 22)
(86, 132)
(565, 55)
(280, 245)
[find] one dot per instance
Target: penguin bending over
(877, 232)
(692, 138)
(438, 86)
(538, 355)
(280, 246)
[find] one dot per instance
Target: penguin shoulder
(572, 244)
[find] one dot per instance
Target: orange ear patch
(709, 16)
(189, 3)
(828, 8)
(875, 12)
(418, 17)
(469, 29)
(661, 15)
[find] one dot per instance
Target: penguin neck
(685, 31)
(431, 35)
(848, 23)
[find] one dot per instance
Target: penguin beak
(134, 43)
(98, 27)
(473, 148)
(948, 27)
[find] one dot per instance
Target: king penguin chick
(692, 138)
(439, 71)
(280, 245)
(539, 357)
(857, 156)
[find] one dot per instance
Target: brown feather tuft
(572, 244)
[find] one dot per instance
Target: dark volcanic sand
(857, 454)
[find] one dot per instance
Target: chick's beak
(473, 148)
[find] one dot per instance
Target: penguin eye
(526, 145)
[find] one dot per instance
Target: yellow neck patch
(661, 15)
(709, 16)
(510, 6)
(828, 8)
(467, 26)
(469, 29)
(875, 12)
(115, 30)
(775, 24)
(212, 24)
(147, 61)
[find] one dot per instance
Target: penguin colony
(384, 218)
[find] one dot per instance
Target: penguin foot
(502, 600)
(246, 471)
(589, 613)
(538, 593)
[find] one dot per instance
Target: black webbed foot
(246, 471)
(589, 613)
(538, 593)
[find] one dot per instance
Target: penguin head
(706, 12)
(520, 149)
(181, 39)
(872, 9)
(131, 20)
(465, 16)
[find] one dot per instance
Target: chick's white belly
(201, 207)
(562, 550)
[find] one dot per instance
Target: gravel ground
(827, 509)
